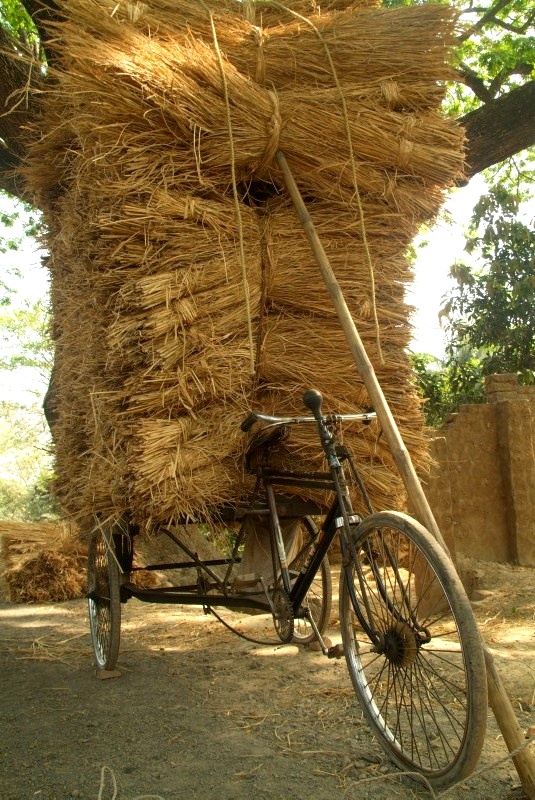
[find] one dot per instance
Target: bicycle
(409, 637)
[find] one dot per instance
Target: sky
(32, 285)
(444, 245)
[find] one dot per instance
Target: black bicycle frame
(339, 519)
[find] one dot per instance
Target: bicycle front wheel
(103, 598)
(413, 649)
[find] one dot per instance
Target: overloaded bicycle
(409, 637)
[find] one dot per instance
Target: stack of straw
(184, 292)
(42, 562)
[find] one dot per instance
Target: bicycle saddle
(264, 440)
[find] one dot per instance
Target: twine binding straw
(237, 203)
(353, 170)
(274, 130)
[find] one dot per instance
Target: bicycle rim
(103, 599)
(420, 678)
(317, 601)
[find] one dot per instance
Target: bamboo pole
(364, 365)
(498, 699)
(509, 726)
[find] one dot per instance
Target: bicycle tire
(420, 677)
(103, 599)
(318, 599)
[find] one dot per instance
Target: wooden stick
(512, 733)
(498, 699)
(364, 365)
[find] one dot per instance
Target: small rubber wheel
(103, 598)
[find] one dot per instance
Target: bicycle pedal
(336, 652)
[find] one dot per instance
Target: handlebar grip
(313, 400)
(249, 422)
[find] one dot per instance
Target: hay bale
(42, 562)
(49, 577)
(183, 290)
(23, 540)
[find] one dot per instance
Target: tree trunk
(17, 109)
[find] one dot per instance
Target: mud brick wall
(482, 487)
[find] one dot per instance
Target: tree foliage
(25, 338)
(18, 23)
(18, 223)
(495, 50)
(445, 385)
(492, 309)
(25, 349)
(431, 379)
(490, 314)
(25, 464)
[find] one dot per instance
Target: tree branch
(485, 93)
(499, 80)
(500, 128)
(471, 79)
(488, 16)
(41, 12)
(509, 26)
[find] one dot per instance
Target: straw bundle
(22, 540)
(192, 94)
(42, 562)
(183, 291)
(49, 577)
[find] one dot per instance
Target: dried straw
(22, 540)
(183, 290)
(49, 577)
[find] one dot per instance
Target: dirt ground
(196, 712)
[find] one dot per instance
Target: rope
(103, 773)
(488, 767)
(275, 123)
(272, 145)
(353, 170)
(418, 776)
(273, 134)
(245, 282)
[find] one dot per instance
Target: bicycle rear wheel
(418, 670)
(318, 599)
(103, 598)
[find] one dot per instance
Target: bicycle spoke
(103, 600)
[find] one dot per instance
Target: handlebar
(313, 401)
